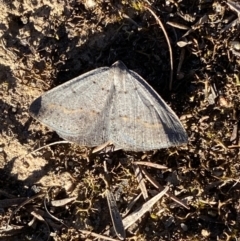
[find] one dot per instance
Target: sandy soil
(45, 43)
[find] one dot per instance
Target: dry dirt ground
(45, 43)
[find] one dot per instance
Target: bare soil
(46, 43)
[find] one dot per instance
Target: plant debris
(57, 193)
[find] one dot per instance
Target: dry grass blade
(133, 217)
(178, 25)
(131, 204)
(234, 146)
(235, 6)
(151, 179)
(115, 215)
(62, 202)
(150, 164)
(160, 188)
(51, 144)
(168, 42)
(234, 134)
(139, 176)
(113, 209)
(101, 147)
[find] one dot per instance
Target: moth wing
(140, 119)
(78, 109)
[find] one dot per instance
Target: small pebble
(184, 227)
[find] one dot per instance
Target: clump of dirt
(45, 43)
